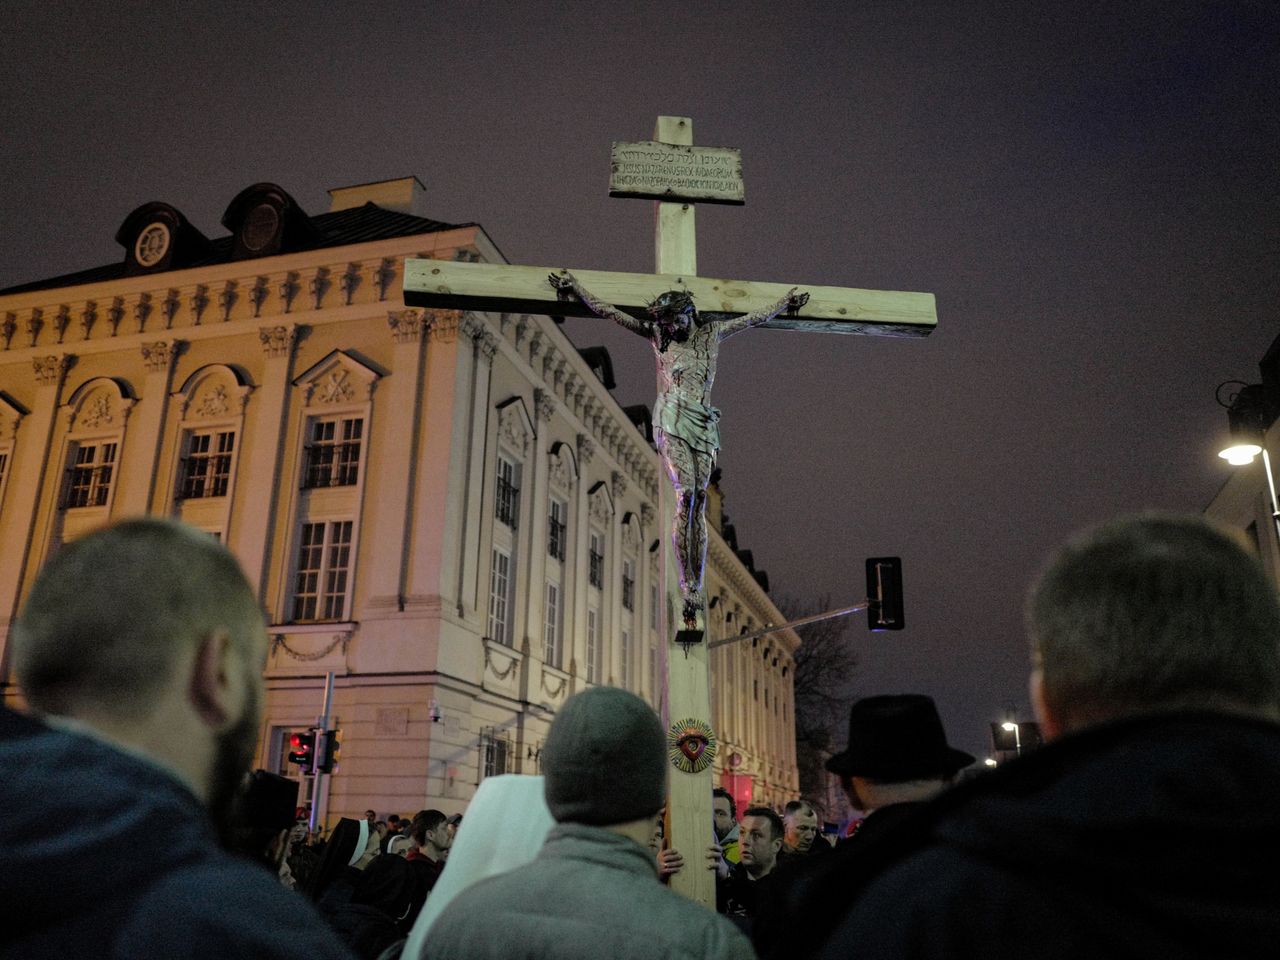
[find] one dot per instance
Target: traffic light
(330, 745)
(884, 593)
(302, 749)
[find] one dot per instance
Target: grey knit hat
(605, 759)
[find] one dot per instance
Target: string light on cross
(685, 318)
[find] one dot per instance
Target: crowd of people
(1146, 826)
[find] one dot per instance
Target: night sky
(1089, 189)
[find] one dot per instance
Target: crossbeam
(501, 288)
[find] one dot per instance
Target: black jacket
(1156, 837)
(103, 854)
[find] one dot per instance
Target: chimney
(406, 195)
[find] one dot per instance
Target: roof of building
(342, 227)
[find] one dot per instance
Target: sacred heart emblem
(691, 745)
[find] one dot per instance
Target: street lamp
(1249, 415)
(1010, 727)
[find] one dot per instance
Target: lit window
(206, 470)
(89, 479)
(333, 452)
(324, 566)
(552, 635)
(507, 502)
(500, 597)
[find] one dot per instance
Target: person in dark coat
(1148, 826)
(139, 650)
(381, 909)
(896, 759)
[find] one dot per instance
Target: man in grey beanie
(593, 889)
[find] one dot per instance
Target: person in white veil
(505, 826)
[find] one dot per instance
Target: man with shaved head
(140, 653)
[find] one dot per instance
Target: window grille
(628, 585)
(495, 753)
(333, 452)
(557, 530)
(507, 503)
(206, 470)
(89, 478)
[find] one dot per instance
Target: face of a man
(802, 829)
(758, 845)
(371, 816)
(441, 836)
(721, 817)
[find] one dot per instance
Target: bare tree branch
(824, 667)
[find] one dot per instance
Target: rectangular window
(206, 470)
(593, 646)
(653, 605)
(626, 659)
(500, 597)
(557, 529)
(507, 503)
(333, 452)
(495, 753)
(89, 477)
(596, 570)
(552, 633)
(628, 585)
(654, 685)
(324, 568)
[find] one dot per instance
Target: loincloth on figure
(696, 424)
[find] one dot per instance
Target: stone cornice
(725, 563)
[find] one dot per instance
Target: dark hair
(775, 821)
(424, 822)
(796, 806)
(1153, 613)
(110, 615)
(725, 795)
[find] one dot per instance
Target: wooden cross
(504, 288)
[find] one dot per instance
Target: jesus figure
(686, 426)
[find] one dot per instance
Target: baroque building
(447, 511)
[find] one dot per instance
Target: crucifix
(685, 317)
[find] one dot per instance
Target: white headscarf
(504, 828)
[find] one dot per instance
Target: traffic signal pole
(317, 777)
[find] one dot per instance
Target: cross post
(725, 305)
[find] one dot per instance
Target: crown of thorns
(679, 299)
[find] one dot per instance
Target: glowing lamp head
(1239, 454)
(1009, 725)
(990, 762)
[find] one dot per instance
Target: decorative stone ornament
(691, 745)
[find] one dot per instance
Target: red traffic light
(301, 748)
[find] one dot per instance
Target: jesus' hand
(564, 284)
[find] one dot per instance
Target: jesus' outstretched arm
(792, 301)
(567, 286)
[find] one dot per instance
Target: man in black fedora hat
(897, 757)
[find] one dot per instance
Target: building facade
(447, 511)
